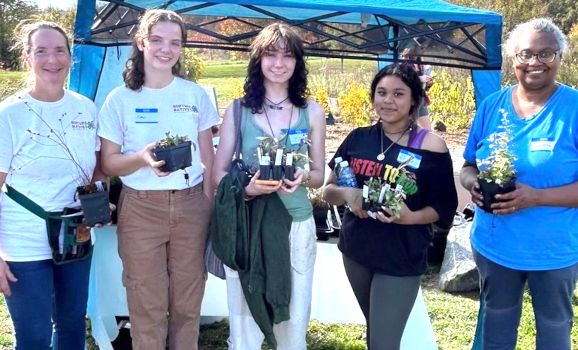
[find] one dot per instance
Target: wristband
(306, 181)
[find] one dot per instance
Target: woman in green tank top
(274, 105)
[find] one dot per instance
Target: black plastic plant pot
(175, 157)
(95, 208)
(490, 189)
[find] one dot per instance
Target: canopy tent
(440, 33)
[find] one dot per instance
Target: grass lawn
(453, 318)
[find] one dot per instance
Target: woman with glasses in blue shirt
(530, 236)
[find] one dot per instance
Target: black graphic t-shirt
(393, 249)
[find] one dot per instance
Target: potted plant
(497, 173)
(321, 213)
(93, 196)
(277, 162)
(380, 194)
(175, 151)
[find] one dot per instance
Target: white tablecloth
(333, 299)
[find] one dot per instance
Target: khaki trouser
(161, 241)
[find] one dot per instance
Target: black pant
(386, 302)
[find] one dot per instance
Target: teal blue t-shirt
(546, 145)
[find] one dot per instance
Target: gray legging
(386, 302)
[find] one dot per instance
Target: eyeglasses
(547, 56)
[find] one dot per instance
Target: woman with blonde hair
(48, 147)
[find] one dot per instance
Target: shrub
(236, 87)
(355, 103)
(322, 97)
(452, 101)
(193, 65)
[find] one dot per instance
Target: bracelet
(303, 183)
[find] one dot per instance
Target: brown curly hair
(254, 88)
(134, 73)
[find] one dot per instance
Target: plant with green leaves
(169, 141)
(269, 146)
(498, 167)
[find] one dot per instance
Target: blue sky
(63, 4)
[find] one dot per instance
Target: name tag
(542, 144)
(405, 155)
(296, 135)
(146, 115)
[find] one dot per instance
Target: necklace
(381, 156)
(269, 122)
(276, 106)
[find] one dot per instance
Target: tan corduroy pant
(161, 241)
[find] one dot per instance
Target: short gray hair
(536, 25)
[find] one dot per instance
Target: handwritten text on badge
(405, 155)
(542, 144)
(146, 115)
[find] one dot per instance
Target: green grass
(453, 317)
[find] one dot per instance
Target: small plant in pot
(378, 194)
(93, 196)
(175, 151)
(497, 173)
(321, 213)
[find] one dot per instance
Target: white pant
(290, 335)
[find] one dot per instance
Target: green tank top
(297, 203)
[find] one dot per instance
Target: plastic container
(337, 160)
(346, 177)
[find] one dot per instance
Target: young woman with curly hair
(275, 105)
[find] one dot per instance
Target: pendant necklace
(275, 106)
(269, 122)
(381, 156)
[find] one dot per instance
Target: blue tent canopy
(439, 33)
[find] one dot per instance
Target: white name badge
(405, 155)
(296, 135)
(146, 115)
(542, 144)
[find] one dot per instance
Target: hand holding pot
(354, 200)
(149, 160)
(477, 197)
(100, 225)
(522, 197)
(290, 186)
(254, 189)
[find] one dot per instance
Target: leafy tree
(11, 13)
(65, 18)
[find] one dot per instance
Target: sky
(63, 4)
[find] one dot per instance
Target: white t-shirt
(39, 167)
(134, 119)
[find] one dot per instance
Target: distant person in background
(423, 119)
(532, 235)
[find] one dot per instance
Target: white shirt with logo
(134, 119)
(38, 142)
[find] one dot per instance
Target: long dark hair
(134, 72)
(254, 88)
(409, 77)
